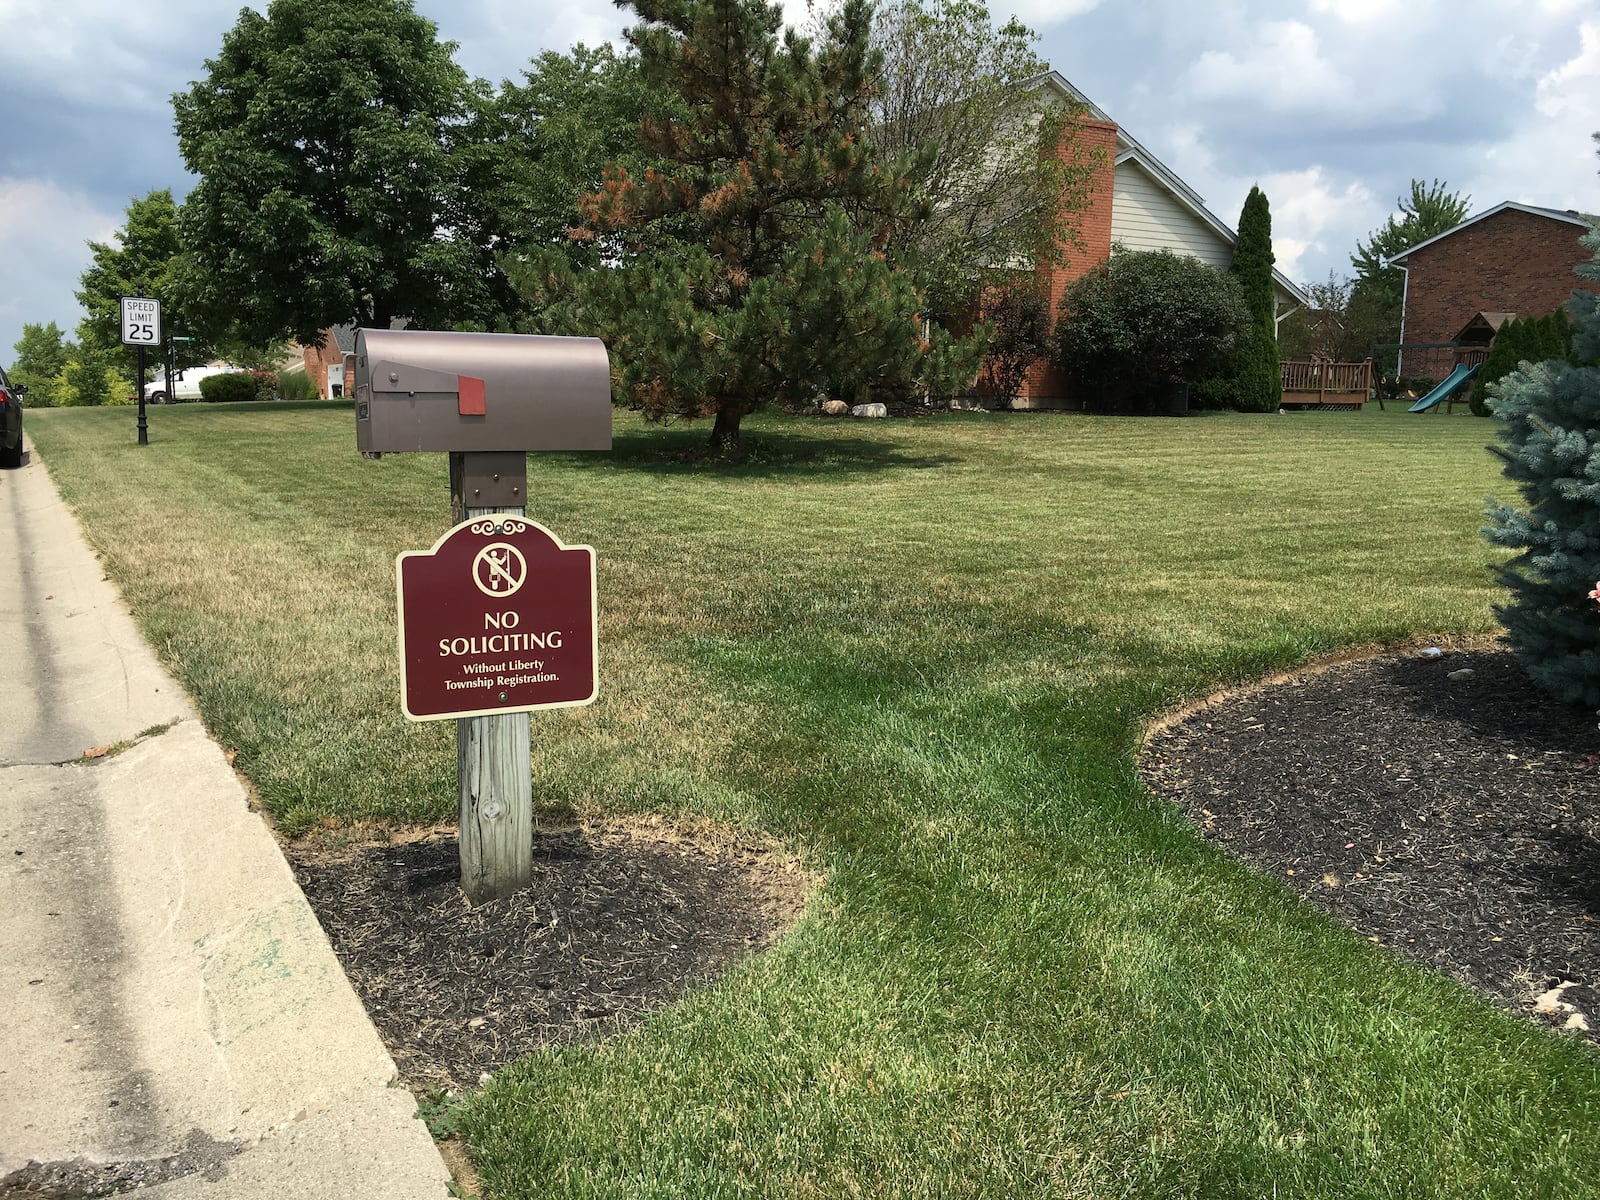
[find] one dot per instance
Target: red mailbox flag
(499, 616)
(470, 399)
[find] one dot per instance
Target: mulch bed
(619, 920)
(1445, 807)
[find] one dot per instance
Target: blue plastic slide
(1456, 381)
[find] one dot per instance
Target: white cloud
(1318, 212)
(1362, 12)
(1548, 158)
(1574, 87)
(1312, 215)
(105, 53)
(1283, 68)
(1039, 13)
(499, 38)
(43, 251)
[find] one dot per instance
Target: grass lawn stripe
(922, 653)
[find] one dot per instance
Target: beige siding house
(1134, 202)
(1147, 216)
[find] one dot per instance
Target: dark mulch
(618, 921)
(1456, 820)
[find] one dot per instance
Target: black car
(10, 423)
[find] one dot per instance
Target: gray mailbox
(420, 389)
(486, 399)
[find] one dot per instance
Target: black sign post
(141, 327)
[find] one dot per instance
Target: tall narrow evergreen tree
(1549, 414)
(1254, 384)
(750, 267)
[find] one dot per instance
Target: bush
(1145, 320)
(266, 385)
(1020, 317)
(232, 388)
(119, 389)
(296, 385)
(1549, 416)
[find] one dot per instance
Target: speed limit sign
(141, 321)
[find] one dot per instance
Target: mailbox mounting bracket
(489, 479)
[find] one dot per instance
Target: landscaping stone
(869, 410)
(835, 408)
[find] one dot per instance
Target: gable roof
(1554, 214)
(1129, 150)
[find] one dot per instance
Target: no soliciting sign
(499, 616)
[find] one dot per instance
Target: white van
(185, 384)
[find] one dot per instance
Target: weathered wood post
(498, 618)
(494, 754)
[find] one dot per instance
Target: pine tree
(1549, 414)
(750, 267)
(1253, 382)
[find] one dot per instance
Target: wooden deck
(1327, 385)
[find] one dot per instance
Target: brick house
(325, 363)
(1135, 202)
(1463, 284)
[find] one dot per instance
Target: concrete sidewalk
(174, 1014)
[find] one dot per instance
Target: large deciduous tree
(42, 357)
(751, 266)
(572, 115)
(1379, 290)
(146, 255)
(324, 135)
(988, 146)
(1337, 326)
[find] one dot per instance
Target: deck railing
(1327, 377)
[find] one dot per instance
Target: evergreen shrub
(1251, 380)
(1549, 418)
(1519, 340)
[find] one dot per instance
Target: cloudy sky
(1332, 106)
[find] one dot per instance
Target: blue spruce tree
(1549, 415)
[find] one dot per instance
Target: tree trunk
(725, 430)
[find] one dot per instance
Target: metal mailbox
(420, 389)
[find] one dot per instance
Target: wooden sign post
(498, 618)
(494, 762)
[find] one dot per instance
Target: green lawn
(921, 653)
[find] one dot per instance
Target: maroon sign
(498, 617)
